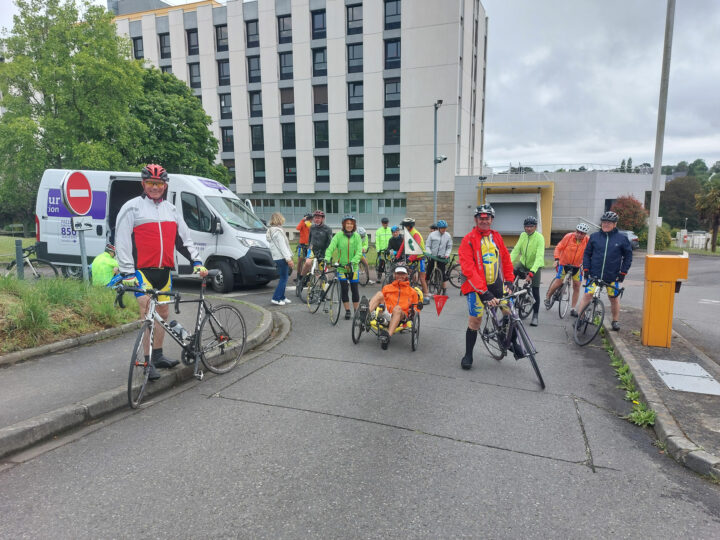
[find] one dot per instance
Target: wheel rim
(564, 301)
(489, 336)
(222, 339)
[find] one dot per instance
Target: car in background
(634, 242)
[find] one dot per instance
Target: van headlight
(248, 242)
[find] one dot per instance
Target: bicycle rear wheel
(589, 322)
(139, 366)
(363, 273)
(524, 305)
(529, 352)
(415, 331)
(37, 269)
(222, 338)
(491, 334)
(358, 326)
(332, 302)
(553, 296)
(455, 276)
(436, 281)
(563, 299)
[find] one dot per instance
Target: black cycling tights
(344, 291)
(536, 296)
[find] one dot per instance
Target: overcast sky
(578, 81)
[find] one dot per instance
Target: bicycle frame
(508, 308)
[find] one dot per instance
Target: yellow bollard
(662, 280)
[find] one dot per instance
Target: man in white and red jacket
(485, 263)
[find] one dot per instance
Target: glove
(530, 275)
(487, 296)
(557, 263)
(130, 280)
(621, 277)
(199, 268)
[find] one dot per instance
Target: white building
(329, 103)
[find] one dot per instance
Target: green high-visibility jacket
(530, 251)
(382, 237)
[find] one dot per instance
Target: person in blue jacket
(608, 256)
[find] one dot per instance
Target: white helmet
(362, 232)
(583, 227)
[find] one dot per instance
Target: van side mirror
(216, 226)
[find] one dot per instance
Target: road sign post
(77, 198)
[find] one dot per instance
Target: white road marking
(708, 301)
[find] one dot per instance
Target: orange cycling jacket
(399, 293)
(569, 251)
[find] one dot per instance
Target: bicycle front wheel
(358, 326)
(524, 305)
(363, 273)
(140, 365)
(415, 331)
(530, 352)
(222, 338)
(332, 302)
(491, 335)
(435, 282)
(589, 322)
(455, 276)
(563, 299)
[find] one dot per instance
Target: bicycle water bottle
(178, 330)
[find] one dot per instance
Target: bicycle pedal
(199, 375)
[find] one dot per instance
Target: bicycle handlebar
(605, 284)
(121, 289)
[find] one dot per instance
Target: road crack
(588, 452)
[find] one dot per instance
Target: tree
(716, 167)
(681, 166)
(667, 169)
(629, 167)
(622, 166)
(630, 211)
(708, 206)
(677, 202)
(66, 88)
(697, 167)
(177, 134)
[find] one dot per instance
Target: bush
(631, 214)
(663, 240)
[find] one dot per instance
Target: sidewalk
(687, 422)
(47, 394)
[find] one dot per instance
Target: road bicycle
(325, 290)
(498, 326)
(218, 341)
(525, 302)
(32, 268)
(563, 293)
(590, 319)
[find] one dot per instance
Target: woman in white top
(281, 254)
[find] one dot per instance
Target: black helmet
(530, 221)
(408, 222)
(609, 216)
(433, 226)
(485, 209)
(385, 220)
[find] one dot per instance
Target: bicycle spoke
(492, 335)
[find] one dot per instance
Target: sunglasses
(154, 183)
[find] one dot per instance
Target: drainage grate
(686, 377)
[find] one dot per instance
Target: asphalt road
(320, 438)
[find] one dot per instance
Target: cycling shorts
(352, 278)
(574, 271)
(418, 265)
(304, 251)
(612, 293)
(155, 278)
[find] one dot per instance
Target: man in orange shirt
(398, 296)
(568, 258)
(302, 249)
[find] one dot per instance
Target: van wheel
(225, 280)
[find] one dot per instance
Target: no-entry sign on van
(76, 193)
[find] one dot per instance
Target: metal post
(660, 135)
(19, 259)
(436, 106)
(83, 256)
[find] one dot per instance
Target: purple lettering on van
(56, 208)
(213, 184)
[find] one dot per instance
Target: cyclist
(382, 237)
(418, 261)
(303, 242)
(148, 230)
(485, 261)
(104, 266)
(608, 256)
(349, 246)
(528, 256)
(395, 243)
(397, 296)
(568, 258)
(439, 245)
(365, 247)
(319, 239)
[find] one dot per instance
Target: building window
(289, 170)
(259, 171)
(223, 72)
(319, 29)
(392, 130)
(164, 45)
(354, 19)
(194, 75)
(355, 96)
(166, 69)
(392, 53)
(357, 168)
(192, 42)
(225, 106)
(286, 65)
(230, 165)
(320, 98)
(221, 37)
(138, 48)
(392, 92)
(321, 134)
(355, 132)
(287, 101)
(322, 169)
(255, 104)
(350, 206)
(285, 29)
(365, 206)
(252, 36)
(392, 14)
(355, 57)
(288, 136)
(392, 167)
(256, 137)
(319, 62)
(253, 68)
(227, 139)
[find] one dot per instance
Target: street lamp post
(436, 159)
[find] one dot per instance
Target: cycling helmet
(348, 216)
(307, 216)
(394, 228)
(433, 227)
(362, 232)
(442, 224)
(319, 213)
(530, 221)
(385, 220)
(485, 209)
(609, 216)
(154, 172)
(583, 227)
(110, 247)
(408, 222)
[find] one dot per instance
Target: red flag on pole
(440, 300)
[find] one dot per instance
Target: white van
(226, 232)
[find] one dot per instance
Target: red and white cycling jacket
(147, 234)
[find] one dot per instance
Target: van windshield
(236, 214)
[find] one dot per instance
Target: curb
(682, 449)
(33, 430)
